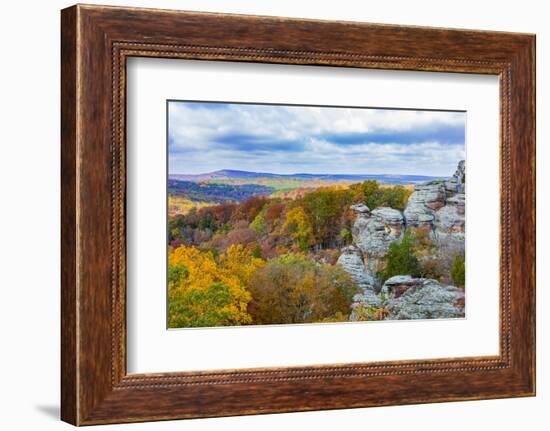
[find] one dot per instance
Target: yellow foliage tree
(299, 227)
(203, 291)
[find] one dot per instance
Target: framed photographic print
(265, 215)
(304, 235)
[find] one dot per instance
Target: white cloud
(288, 139)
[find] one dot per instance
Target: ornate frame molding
(96, 41)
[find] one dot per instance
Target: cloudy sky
(205, 137)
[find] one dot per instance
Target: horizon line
(301, 173)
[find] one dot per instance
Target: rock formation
(422, 204)
(406, 297)
(352, 261)
(450, 219)
(374, 231)
(450, 222)
(437, 207)
(456, 184)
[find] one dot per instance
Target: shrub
(432, 267)
(458, 271)
(346, 236)
(363, 312)
(401, 259)
(328, 255)
(337, 317)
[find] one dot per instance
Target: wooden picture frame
(95, 43)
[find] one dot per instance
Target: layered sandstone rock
(406, 297)
(374, 231)
(439, 207)
(451, 218)
(352, 261)
(456, 184)
(427, 198)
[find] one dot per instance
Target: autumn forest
(249, 247)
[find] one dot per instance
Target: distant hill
(215, 193)
(229, 174)
(223, 174)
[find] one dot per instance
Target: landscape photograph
(297, 214)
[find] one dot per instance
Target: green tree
(401, 259)
(375, 196)
(325, 209)
(257, 251)
(369, 188)
(258, 224)
(207, 222)
(458, 271)
(346, 235)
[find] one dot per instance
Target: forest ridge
(226, 174)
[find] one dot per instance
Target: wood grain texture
(96, 41)
(69, 367)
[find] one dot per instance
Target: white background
(29, 216)
(151, 348)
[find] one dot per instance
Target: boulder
(389, 216)
(430, 193)
(367, 297)
(423, 202)
(396, 285)
(459, 201)
(373, 233)
(406, 297)
(360, 208)
(450, 220)
(352, 261)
